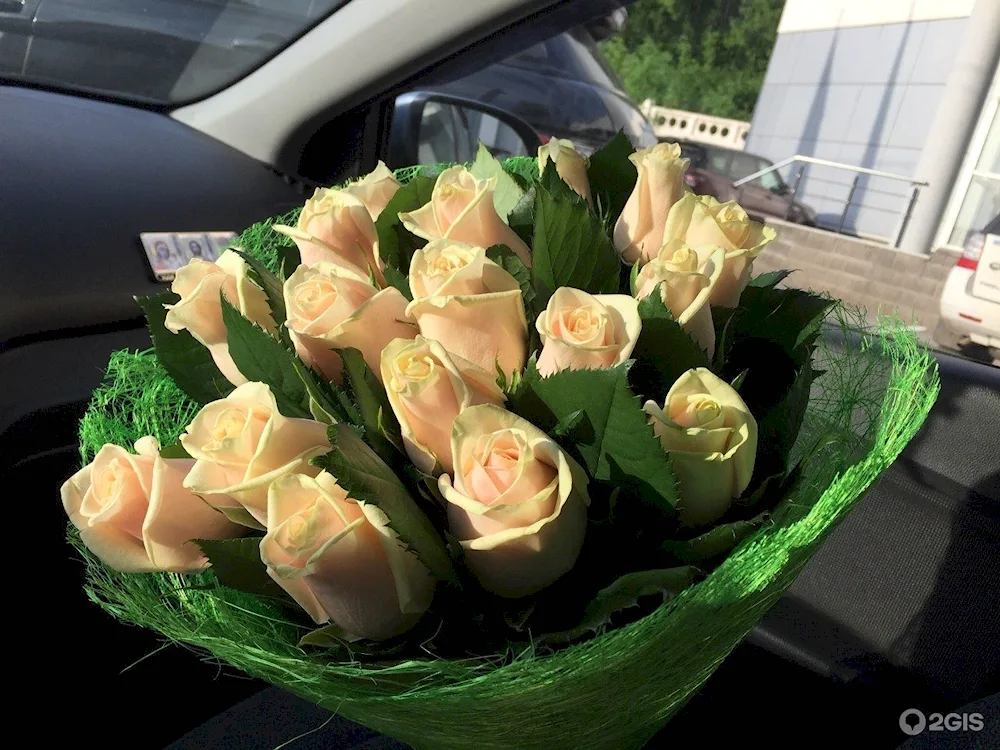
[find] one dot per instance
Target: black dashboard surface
(80, 179)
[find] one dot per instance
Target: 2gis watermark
(913, 721)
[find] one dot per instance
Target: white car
(970, 301)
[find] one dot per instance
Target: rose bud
(660, 184)
(475, 309)
(241, 444)
(330, 308)
(517, 503)
(375, 189)
(461, 209)
(700, 220)
(339, 559)
(336, 227)
(200, 285)
(571, 165)
(711, 437)
(427, 388)
(585, 331)
(134, 513)
(685, 278)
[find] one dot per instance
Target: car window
(718, 161)
(771, 180)
(695, 153)
(156, 52)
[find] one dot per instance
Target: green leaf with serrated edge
(717, 541)
(612, 176)
(395, 243)
(174, 451)
(270, 283)
(623, 594)
(509, 261)
(330, 635)
(288, 260)
(613, 429)
(239, 514)
(323, 402)
(237, 564)
(570, 248)
(791, 318)
(779, 427)
(556, 186)
(188, 363)
(769, 279)
(522, 217)
(567, 425)
(396, 278)
(664, 350)
(507, 192)
(373, 404)
(262, 358)
(367, 478)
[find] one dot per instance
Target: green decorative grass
(613, 691)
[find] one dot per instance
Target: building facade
(907, 87)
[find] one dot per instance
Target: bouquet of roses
(471, 453)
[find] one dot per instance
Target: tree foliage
(701, 55)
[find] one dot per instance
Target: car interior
(899, 609)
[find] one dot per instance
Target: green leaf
(327, 403)
(507, 192)
(507, 259)
(376, 416)
(623, 594)
(395, 244)
(715, 542)
(262, 358)
(522, 217)
(612, 176)
(769, 279)
(556, 186)
(664, 350)
(288, 260)
(174, 451)
(570, 248)
(396, 278)
(237, 564)
(270, 283)
(368, 479)
(239, 514)
(779, 427)
(328, 636)
(612, 438)
(188, 363)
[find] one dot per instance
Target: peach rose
(339, 559)
(700, 220)
(571, 165)
(375, 189)
(584, 331)
(330, 308)
(474, 310)
(517, 503)
(427, 388)
(685, 277)
(461, 209)
(134, 513)
(241, 444)
(660, 184)
(711, 437)
(199, 310)
(336, 227)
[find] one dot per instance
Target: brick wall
(863, 273)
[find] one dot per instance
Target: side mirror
(433, 128)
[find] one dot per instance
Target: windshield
(157, 51)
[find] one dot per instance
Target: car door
(759, 197)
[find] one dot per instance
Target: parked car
(561, 87)
(970, 300)
(714, 169)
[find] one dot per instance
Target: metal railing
(805, 161)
